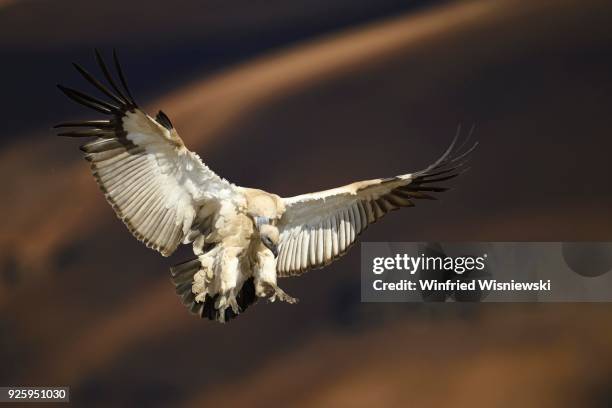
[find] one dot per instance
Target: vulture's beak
(272, 248)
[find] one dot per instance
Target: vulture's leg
(231, 279)
(281, 295)
(265, 279)
(204, 278)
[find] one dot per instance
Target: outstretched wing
(156, 186)
(318, 228)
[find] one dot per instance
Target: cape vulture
(243, 238)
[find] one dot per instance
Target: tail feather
(182, 277)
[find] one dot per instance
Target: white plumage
(243, 238)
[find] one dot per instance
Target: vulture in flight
(243, 239)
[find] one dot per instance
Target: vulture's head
(269, 236)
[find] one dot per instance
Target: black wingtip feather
(122, 77)
(433, 189)
(92, 80)
(164, 120)
(102, 124)
(87, 100)
(129, 102)
(444, 178)
(88, 133)
(114, 103)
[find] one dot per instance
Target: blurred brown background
(337, 91)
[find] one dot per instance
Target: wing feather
(333, 219)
